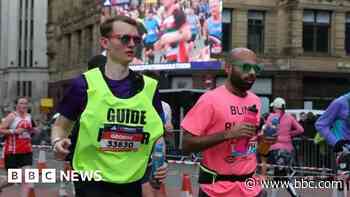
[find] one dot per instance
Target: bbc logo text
(50, 175)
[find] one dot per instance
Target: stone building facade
(73, 31)
(23, 59)
(304, 44)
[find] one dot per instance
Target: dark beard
(240, 84)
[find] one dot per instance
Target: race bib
(122, 139)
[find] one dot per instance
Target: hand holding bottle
(241, 146)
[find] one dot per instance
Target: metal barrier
(307, 154)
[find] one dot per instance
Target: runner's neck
(116, 71)
(235, 90)
(21, 114)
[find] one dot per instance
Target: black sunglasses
(125, 38)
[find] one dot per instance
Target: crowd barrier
(308, 156)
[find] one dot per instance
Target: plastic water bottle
(241, 146)
(157, 161)
(271, 131)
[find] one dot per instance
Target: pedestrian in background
(281, 153)
(18, 128)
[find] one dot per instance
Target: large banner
(178, 31)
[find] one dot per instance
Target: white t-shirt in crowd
(167, 113)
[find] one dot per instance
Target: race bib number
(122, 138)
(121, 142)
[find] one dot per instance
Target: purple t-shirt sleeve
(157, 103)
(325, 122)
(74, 99)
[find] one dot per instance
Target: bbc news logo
(51, 175)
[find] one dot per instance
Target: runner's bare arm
(5, 124)
(59, 137)
(192, 143)
(61, 127)
(184, 33)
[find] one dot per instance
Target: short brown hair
(19, 98)
(106, 27)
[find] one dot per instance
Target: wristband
(12, 131)
(57, 139)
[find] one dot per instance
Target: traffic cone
(186, 186)
(2, 159)
(41, 161)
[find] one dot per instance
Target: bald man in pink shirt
(216, 124)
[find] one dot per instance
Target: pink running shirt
(216, 111)
(288, 128)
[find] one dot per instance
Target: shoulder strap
(150, 86)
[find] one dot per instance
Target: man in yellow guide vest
(118, 115)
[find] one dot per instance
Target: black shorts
(18, 160)
(101, 188)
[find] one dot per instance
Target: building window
(24, 88)
(347, 34)
(25, 33)
(30, 58)
(20, 34)
(19, 57)
(316, 28)
(226, 29)
(31, 45)
(25, 58)
(256, 21)
(18, 89)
